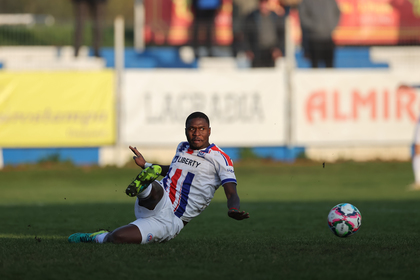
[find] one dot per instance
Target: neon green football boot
(84, 237)
(144, 179)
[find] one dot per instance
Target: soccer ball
(344, 220)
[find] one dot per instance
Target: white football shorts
(159, 224)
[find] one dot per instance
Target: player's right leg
(85, 237)
(144, 208)
(125, 234)
(128, 233)
(149, 194)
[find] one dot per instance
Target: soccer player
(416, 158)
(164, 207)
(416, 145)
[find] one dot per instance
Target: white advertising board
(246, 108)
(356, 107)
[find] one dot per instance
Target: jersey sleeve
(224, 166)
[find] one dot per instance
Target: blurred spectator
(236, 29)
(240, 8)
(318, 19)
(275, 6)
(96, 8)
(264, 35)
(205, 12)
(416, 158)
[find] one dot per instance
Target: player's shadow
(268, 219)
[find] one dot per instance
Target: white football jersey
(193, 178)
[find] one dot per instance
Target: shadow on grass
(268, 218)
(281, 240)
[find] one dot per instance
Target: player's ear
(209, 130)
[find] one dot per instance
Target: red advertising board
(362, 22)
(378, 22)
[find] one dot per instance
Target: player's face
(198, 133)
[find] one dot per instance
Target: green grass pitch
(287, 236)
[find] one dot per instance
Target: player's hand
(238, 215)
(138, 158)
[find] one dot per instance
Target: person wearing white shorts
(189, 183)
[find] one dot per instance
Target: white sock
(416, 169)
(145, 193)
(100, 237)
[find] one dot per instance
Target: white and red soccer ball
(344, 220)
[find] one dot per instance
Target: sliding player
(164, 207)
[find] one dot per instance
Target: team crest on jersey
(149, 237)
(201, 154)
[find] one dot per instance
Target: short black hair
(195, 115)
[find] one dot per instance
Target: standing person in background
(236, 29)
(275, 6)
(205, 12)
(264, 35)
(96, 8)
(318, 19)
(416, 158)
(415, 153)
(240, 9)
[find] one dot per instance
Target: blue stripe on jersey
(185, 191)
(208, 148)
(165, 180)
(230, 180)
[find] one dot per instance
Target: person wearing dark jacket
(96, 9)
(205, 12)
(264, 36)
(318, 19)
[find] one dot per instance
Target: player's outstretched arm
(233, 202)
(140, 161)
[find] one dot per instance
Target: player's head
(197, 130)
